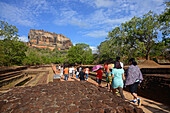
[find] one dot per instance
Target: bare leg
(135, 95)
(108, 87)
(121, 93)
(114, 91)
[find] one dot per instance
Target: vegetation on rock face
(14, 52)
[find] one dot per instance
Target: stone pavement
(63, 97)
(148, 106)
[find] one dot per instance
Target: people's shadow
(153, 109)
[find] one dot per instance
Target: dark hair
(133, 61)
(117, 58)
(117, 65)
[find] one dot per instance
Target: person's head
(117, 65)
(132, 61)
(110, 70)
(118, 59)
(106, 63)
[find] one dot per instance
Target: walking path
(148, 106)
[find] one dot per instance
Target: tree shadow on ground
(153, 109)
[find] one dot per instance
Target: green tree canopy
(12, 50)
(80, 53)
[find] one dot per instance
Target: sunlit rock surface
(45, 39)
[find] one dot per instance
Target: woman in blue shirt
(118, 77)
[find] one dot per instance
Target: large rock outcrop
(45, 39)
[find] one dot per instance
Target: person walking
(118, 77)
(77, 73)
(79, 68)
(73, 71)
(66, 73)
(61, 71)
(133, 79)
(105, 69)
(59, 67)
(99, 76)
(118, 59)
(109, 80)
(70, 72)
(82, 75)
(87, 73)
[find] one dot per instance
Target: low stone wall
(155, 70)
(156, 87)
(7, 70)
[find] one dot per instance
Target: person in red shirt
(99, 76)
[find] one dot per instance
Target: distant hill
(44, 39)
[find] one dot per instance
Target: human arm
(123, 76)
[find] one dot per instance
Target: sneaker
(139, 102)
(133, 101)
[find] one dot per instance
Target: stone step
(44, 79)
(23, 81)
(11, 79)
(8, 75)
(7, 70)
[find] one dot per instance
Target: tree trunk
(147, 57)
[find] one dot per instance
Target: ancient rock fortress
(44, 39)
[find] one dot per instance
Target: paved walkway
(148, 106)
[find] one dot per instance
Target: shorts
(109, 79)
(133, 88)
(99, 81)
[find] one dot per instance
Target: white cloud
(23, 39)
(26, 13)
(98, 3)
(94, 49)
(97, 34)
(15, 14)
(103, 3)
(104, 14)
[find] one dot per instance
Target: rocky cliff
(45, 39)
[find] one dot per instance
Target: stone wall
(44, 39)
(156, 87)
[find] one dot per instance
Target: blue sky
(83, 21)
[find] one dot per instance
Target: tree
(12, 50)
(80, 53)
(164, 19)
(135, 37)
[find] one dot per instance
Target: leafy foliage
(135, 38)
(12, 50)
(80, 53)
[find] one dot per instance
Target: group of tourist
(70, 71)
(116, 79)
